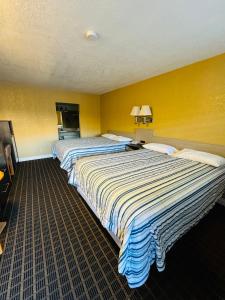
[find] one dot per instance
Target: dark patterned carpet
(56, 249)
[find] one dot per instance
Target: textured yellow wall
(32, 111)
(188, 103)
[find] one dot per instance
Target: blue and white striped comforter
(148, 200)
(68, 151)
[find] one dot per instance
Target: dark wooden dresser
(8, 158)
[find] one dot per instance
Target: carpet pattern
(56, 249)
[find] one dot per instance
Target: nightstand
(131, 147)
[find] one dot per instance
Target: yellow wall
(188, 103)
(32, 111)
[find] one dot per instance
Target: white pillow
(202, 157)
(163, 148)
(109, 135)
(122, 138)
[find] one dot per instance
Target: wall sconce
(135, 113)
(146, 114)
(142, 115)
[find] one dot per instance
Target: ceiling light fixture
(91, 35)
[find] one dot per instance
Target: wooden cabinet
(8, 160)
(7, 137)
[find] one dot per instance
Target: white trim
(35, 157)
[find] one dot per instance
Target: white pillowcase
(163, 148)
(202, 157)
(122, 138)
(109, 135)
(116, 137)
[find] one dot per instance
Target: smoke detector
(91, 35)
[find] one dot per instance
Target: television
(70, 120)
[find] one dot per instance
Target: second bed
(69, 151)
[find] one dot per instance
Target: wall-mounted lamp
(135, 113)
(146, 114)
(142, 115)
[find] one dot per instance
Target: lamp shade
(135, 111)
(145, 111)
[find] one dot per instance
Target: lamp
(142, 115)
(146, 114)
(145, 111)
(135, 112)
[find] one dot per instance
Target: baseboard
(35, 157)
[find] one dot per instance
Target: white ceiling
(42, 41)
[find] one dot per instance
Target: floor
(56, 248)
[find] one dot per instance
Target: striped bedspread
(68, 151)
(148, 200)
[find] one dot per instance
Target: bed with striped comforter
(68, 151)
(148, 200)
